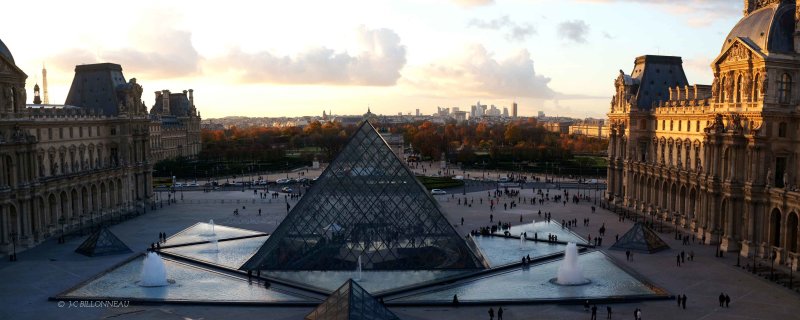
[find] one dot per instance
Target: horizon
(559, 57)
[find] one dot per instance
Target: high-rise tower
(44, 85)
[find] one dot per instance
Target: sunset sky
(276, 58)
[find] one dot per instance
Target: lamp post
(464, 181)
(13, 256)
(772, 265)
(791, 276)
(754, 260)
(61, 220)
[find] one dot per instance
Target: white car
(438, 191)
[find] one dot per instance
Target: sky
(292, 58)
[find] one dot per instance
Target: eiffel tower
(367, 204)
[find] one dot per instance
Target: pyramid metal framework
(351, 302)
(367, 204)
(102, 242)
(640, 238)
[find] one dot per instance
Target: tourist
(691, 255)
(462, 221)
(683, 256)
(638, 314)
(594, 312)
(727, 301)
(500, 313)
(627, 255)
(608, 310)
(683, 303)
(491, 218)
(679, 260)
(491, 313)
(721, 299)
(455, 300)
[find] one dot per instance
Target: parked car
(438, 191)
(283, 181)
(287, 190)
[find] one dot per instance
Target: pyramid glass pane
(366, 204)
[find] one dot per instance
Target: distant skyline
(294, 58)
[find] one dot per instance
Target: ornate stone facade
(71, 165)
(721, 160)
(174, 126)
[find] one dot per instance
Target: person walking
(727, 301)
(638, 314)
(500, 313)
(679, 260)
(683, 303)
(491, 313)
(627, 255)
(594, 312)
(721, 299)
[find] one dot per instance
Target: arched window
(738, 97)
(785, 89)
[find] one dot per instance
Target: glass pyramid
(640, 238)
(366, 205)
(102, 242)
(351, 302)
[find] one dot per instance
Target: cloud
(477, 73)
(473, 3)
(158, 51)
(513, 31)
(378, 65)
(699, 13)
(575, 30)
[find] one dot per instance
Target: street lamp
(62, 221)
(13, 256)
(772, 265)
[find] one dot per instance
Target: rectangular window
(782, 130)
(71, 132)
(679, 125)
(61, 133)
(49, 133)
(670, 125)
(80, 132)
(697, 127)
(663, 125)
(689, 126)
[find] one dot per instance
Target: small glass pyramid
(351, 302)
(102, 242)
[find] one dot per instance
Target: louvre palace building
(64, 167)
(719, 159)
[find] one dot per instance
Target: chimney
(165, 102)
(191, 98)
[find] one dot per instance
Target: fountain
(522, 240)
(569, 273)
(210, 229)
(358, 269)
(154, 272)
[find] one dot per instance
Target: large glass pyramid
(367, 204)
(351, 302)
(640, 238)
